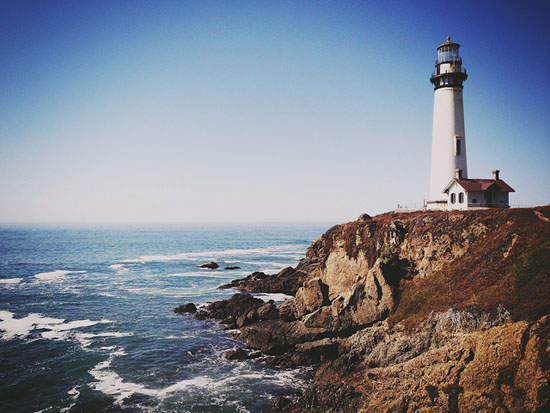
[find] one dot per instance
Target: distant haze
(258, 111)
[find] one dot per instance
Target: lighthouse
(448, 137)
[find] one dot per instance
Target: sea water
(86, 320)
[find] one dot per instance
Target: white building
(447, 190)
(477, 193)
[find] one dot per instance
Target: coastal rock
(239, 310)
(287, 281)
(287, 309)
(369, 300)
(325, 348)
(232, 267)
(238, 354)
(211, 265)
(185, 308)
(334, 398)
(364, 217)
(310, 297)
(425, 311)
(268, 311)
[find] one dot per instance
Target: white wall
(448, 122)
(456, 190)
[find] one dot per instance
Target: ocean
(86, 320)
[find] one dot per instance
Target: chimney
(458, 173)
(495, 175)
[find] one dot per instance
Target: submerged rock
(240, 354)
(185, 308)
(232, 267)
(211, 265)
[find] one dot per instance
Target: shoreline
(354, 319)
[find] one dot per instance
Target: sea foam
(56, 328)
(110, 383)
(55, 275)
(10, 281)
(276, 251)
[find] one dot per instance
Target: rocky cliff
(426, 311)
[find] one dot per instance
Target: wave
(55, 275)
(10, 280)
(277, 250)
(205, 274)
(277, 297)
(56, 328)
(22, 327)
(85, 338)
(74, 393)
(110, 383)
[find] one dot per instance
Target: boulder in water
(211, 265)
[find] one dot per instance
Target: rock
(268, 311)
(232, 267)
(310, 297)
(287, 281)
(287, 309)
(238, 354)
(323, 317)
(280, 404)
(185, 308)
(369, 300)
(325, 347)
(384, 306)
(240, 309)
(511, 368)
(364, 217)
(341, 398)
(211, 265)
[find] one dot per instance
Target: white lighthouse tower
(448, 138)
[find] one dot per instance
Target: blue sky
(258, 111)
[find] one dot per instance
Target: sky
(165, 111)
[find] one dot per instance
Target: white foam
(203, 274)
(272, 296)
(277, 251)
(120, 268)
(105, 294)
(56, 328)
(164, 292)
(55, 275)
(85, 338)
(113, 385)
(21, 327)
(10, 280)
(74, 393)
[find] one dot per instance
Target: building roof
(481, 185)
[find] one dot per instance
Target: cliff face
(427, 311)
(423, 261)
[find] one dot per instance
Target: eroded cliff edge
(425, 311)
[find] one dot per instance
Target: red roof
(483, 184)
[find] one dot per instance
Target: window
(453, 198)
(474, 201)
(458, 146)
(461, 198)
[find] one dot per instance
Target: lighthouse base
(437, 205)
